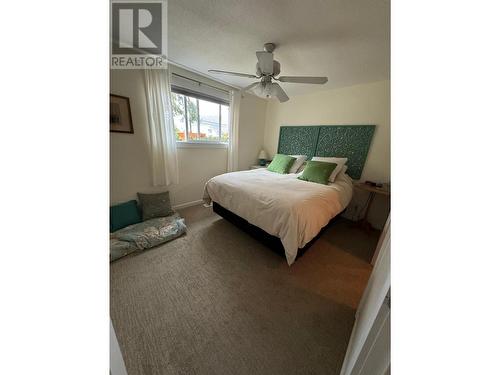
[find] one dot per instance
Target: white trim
(188, 204)
(116, 363)
(379, 338)
(192, 144)
(381, 239)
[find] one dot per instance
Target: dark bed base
(273, 242)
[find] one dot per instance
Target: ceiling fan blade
(315, 80)
(249, 87)
(232, 73)
(279, 93)
(265, 61)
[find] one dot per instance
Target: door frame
(374, 296)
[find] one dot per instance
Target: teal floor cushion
(145, 235)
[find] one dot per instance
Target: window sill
(201, 144)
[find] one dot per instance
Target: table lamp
(262, 157)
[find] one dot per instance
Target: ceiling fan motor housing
(269, 47)
(276, 69)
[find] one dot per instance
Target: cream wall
(251, 131)
(367, 104)
(259, 127)
(129, 153)
(129, 158)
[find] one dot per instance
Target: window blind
(193, 88)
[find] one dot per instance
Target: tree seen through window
(199, 120)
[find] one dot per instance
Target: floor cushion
(146, 235)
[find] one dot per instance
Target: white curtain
(234, 118)
(163, 147)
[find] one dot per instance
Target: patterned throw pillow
(155, 205)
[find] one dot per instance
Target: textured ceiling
(348, 41)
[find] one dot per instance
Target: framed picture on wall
(120, 118)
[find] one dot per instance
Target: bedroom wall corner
(367, 104)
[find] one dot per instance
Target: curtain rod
(200, 83)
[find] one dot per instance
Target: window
(199, 119)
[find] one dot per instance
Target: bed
(282, 206)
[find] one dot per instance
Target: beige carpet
(218, 302)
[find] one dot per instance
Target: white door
(369, 346)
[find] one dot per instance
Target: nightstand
(258, 166)
(372, 190)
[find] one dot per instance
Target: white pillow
(301, 169)
(299, 160)
(340, 165)
(341, 177)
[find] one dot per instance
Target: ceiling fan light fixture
(256, 90)
(268, 89)
(262, 90)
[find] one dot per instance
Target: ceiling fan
(267, 70)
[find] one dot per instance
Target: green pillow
(124, 214)
(155, 205)
(317, 171)
(281, 163)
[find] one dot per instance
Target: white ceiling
(346, 40)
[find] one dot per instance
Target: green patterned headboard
(348, 141)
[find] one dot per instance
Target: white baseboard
(188, 204)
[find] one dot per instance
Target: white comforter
(281, 204)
